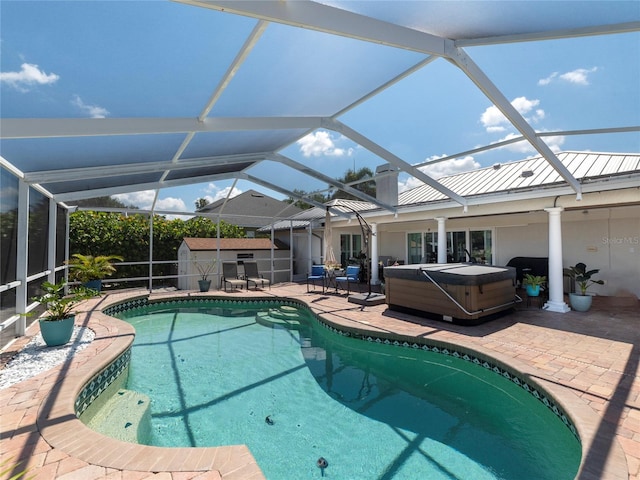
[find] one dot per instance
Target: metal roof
(509, 177)
(199, 117)
(588, 168)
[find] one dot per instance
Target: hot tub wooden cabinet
(463, 293)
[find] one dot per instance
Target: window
(481, 246)
(350, 248)
(430, 247)
(423, 248)
(414, 244)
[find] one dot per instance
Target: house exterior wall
(604, 238)
(392, 244)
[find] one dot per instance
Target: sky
(96, 61)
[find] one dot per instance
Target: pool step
(282, 316)
(125, 416)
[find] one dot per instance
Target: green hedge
(103, 233)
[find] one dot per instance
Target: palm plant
(84, 268)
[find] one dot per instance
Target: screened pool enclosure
(111, 98)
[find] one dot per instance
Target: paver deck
(587, 361)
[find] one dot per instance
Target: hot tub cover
(452, 273)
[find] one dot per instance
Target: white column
(151, 251)
(52, 240)
(442, 240)
(309, 252)
(291, 258)
(22, 256)
(556, 295)
(374, 254)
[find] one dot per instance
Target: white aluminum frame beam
(460, 58)
(75, 174)
(15, 128)
(276, 188)
(626, 27)
(556, 133)
(107, 191)
(383, 153)
(276, 157)
(328, 19)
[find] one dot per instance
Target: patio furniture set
(329, 278)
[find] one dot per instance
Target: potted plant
(534, 282)
(56, 325)
(205, 269)
(90, 270)
(581, 300)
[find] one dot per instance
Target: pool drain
(322, 464)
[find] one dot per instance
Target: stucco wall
(187, 268)
(605, 239)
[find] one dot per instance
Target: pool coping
(60, 427)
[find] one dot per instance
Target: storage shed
(273, 258)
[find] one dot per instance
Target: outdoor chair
(318, 272)
(252, 275)
(230, 276)
(351, 275)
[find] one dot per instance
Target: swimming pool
(269, 375)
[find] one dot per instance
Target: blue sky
(584, 83)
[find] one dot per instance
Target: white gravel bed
(36, 357)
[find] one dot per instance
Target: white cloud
(548, 80)
(215, 193)
(172, 204)
(579, 76)
(321, 143)
(494, 121)
(144, 201)
(524, 147)
(441, 169)
(93, 111)
(28, 76)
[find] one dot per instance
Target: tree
(368, 187)
(201, 203)
(318, 197)
(109, 202)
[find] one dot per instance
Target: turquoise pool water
(273, 378)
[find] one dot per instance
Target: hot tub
(463, 293)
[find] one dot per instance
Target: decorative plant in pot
(56, 325)
(534, 282)
(90, 270)
(581, 300)
(205, 269)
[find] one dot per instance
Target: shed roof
(199, 244)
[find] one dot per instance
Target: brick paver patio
(587, 361)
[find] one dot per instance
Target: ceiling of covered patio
(254, 78)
